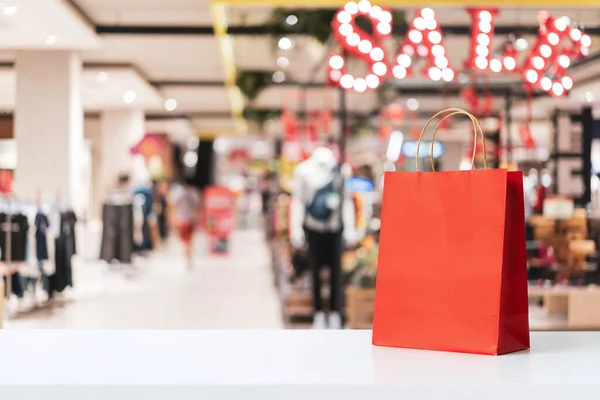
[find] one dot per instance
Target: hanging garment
(18, 237)
(63, 253)
(117, 233)
(41, 230)
(16, 284)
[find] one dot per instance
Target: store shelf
(305, 364)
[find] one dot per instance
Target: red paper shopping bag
(452, 269)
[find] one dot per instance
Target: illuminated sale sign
(544, 67)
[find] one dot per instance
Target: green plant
(251, 83)
(259, 116)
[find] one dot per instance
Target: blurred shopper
(186, 202)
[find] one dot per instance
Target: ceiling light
(412, 104)
(50, 40)
(102, 77)
(10, 10)
(291, 20)
(521, 44)
(170, 104)
(589, 97)
(283, 62)
(129, 97)
(278, 77)
(285, 43)
(193, 142)
(190, 159)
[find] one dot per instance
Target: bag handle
(476, 128)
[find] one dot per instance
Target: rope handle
(453, 111)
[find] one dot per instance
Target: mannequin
(320, 219)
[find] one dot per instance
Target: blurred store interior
(197, 165)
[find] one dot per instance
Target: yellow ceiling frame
(220, 24)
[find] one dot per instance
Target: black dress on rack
(64, 251)
(18, 246)
(117, 233)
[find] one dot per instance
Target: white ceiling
(132, 60)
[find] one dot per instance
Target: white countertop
(559, 364)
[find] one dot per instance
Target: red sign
(558, 43)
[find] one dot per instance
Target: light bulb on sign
(278, 76)
(380, 68)
(538, 62)
(434, 37)
(438, 50)
(485, 16)
(521, 44)
(575, 34)
(360, 85)
(435, 73)
(365, 46)
(415, 36)
(372, 81)
(564, 61)
(399, 72)
(586, 40)
(353, 39)
(375, 12)
(386, 17)
(509, 63)
(557, 89)
(546, 83)
(347, 81)
(335, 75)
(336, 62)
(431, 24)
(485, 27)
(351, 7)
(364, 6)
(545, 50)
(404, 60)
(560, 25)
(495, 65)
(567, 82)
(170, 104)
(482, 51)
(420, 23)
(483, 39)
(441, 62)
(427, 13)
(384, 28)
(344, 17)
(481, 62)
(447, 74)
(376, 54)
(345, 29)
(422, 50)
(553, 38)
(532, 76)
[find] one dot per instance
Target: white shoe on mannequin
(335, 320)
(319, 321)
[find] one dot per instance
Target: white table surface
(216, 363)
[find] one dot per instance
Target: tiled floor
(222, 292)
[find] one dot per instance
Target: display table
(69, 365)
